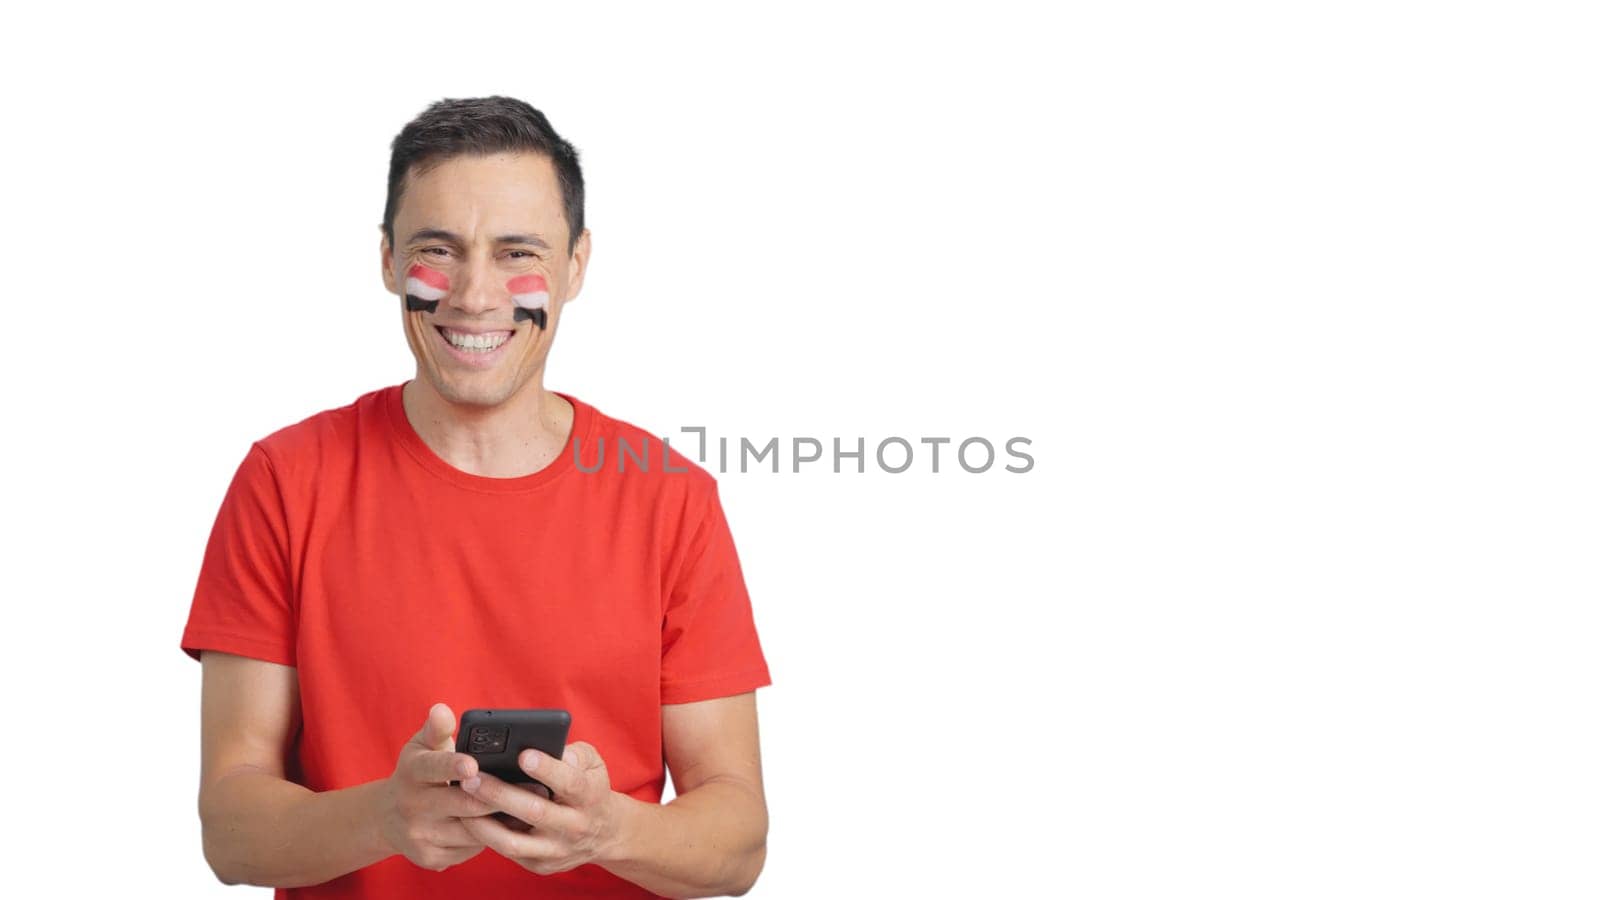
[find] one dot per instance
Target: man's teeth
(475, 341)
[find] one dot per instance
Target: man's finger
(557, 775)
(435, 731)
(511, 844)
(454, 835)
(582, 755)
(439, 766)
(453, 801)
(455, 856)
(522, 802)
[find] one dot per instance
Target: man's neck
(515, 438)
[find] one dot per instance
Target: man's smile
(476, 348)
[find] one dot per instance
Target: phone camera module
(489, 738)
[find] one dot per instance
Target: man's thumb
(436, 730)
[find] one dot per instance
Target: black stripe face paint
(531, 296)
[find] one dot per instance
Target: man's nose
(477, 291)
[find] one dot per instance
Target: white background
(1296, 304)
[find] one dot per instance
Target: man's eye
(524, 253)
(432, 249)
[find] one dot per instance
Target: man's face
(489, 236)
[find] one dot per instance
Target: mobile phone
(496, 737)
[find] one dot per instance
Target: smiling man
(434, 546)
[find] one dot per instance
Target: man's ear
(384, 254)
(580, 265)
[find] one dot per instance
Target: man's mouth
(476, 348)
(477, 342)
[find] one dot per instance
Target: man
(449, 543)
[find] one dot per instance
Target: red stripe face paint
(425, 287)
(531, 295)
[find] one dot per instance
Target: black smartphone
(496, 737)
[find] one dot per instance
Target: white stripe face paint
(425, 287)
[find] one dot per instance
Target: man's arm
(259, 828)
(711, 840)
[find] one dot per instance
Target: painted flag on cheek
(425, 287)
(531, 295)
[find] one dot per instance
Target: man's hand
(420, 812)
(578, 827)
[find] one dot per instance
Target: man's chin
(481, 389)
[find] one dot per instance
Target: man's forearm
(263, 830)
(708, 842)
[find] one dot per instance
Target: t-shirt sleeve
(243, 601)
(709, 645)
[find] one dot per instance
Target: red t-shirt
(392, 580)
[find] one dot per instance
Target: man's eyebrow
(439, 234)
(533, 239)
(433, 234)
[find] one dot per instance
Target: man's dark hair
(480, 126)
